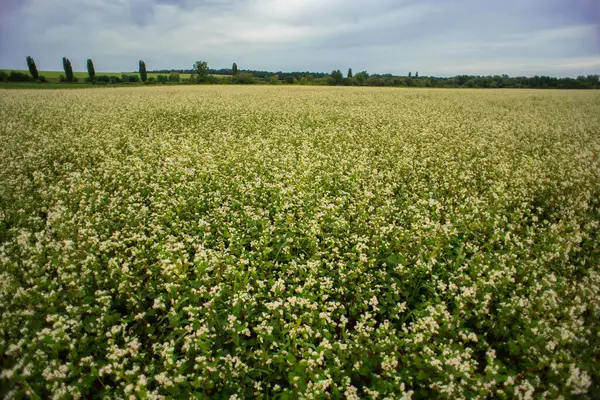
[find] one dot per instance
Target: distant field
(54, 75)
(54, 85)
(50, 75)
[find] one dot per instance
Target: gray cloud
(435, 37)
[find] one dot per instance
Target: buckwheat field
(299, 242)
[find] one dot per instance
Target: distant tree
(234, 69)
(361, 77)
(91, 69)
(410, 74)
(336, 78)
(68, 69)
(143, 73)
(349, 73)
(32, 68)
(201, 71)
(174, 77)
(417, 74)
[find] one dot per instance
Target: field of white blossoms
(299, 242)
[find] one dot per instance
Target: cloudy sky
(434, 37)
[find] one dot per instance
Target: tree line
(201, 73)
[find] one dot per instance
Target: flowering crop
(299, 242)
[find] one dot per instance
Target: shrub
(244, 78)
(16, 76)
(130, 78)
(63, 79)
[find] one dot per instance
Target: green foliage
(244, 78)
(173, 77)
(64, 79)
(32, 68)
(336, 78)
(142, 70)
(16, 76)
(234, 69)
(68, 68)
(200, 70)
(91, 70)
(496, 81)
(349, 76)
(130, 78)
(361, 77)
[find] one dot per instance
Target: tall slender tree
(234, 69)
(143, 73)
(349, 73)
(417, 74)
(91, 69)
(410, 74)
(32, 68)
(68, 69)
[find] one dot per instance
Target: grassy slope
(56, 85)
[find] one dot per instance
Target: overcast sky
(434, 37)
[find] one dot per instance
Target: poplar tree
(32, 68)
(91, 70)
(68, 69)
(143, 73)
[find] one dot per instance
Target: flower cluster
(299, 242)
